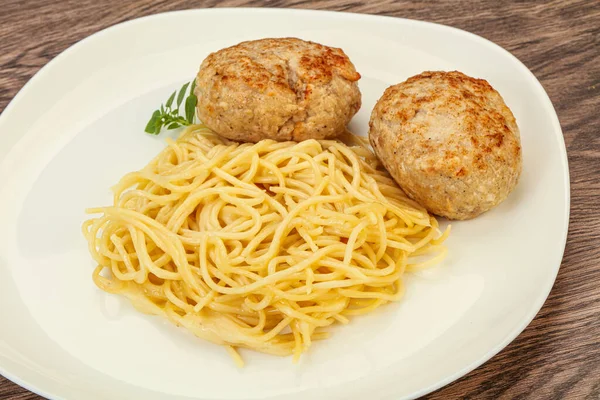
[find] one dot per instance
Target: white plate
(77, 126)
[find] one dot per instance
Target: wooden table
(558, 355)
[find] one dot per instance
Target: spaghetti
(262, 245)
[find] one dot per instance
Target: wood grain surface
(558, 355)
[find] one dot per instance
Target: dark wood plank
(558, 355)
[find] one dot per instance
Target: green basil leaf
(181, 94)
(168, 116)
(170, 100)
(158, 125)
(190, 108)
(151, 125)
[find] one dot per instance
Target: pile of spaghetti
(263, 245)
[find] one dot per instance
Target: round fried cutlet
(281, 89)
(450, 142)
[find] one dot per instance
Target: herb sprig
(168, 116)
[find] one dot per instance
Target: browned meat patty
(281, 89)
(450, 142)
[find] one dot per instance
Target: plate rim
(543, 97)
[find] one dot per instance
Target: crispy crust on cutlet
(450, 142)
(282, 89)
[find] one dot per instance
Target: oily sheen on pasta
(261, 246)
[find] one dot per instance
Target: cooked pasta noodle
(260, 245)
